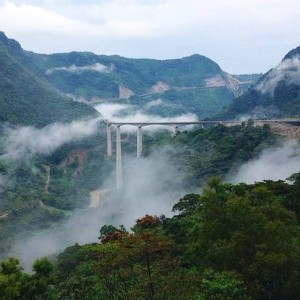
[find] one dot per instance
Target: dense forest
(75, 169)
(229, 242)
(26, 98)
(38, 89)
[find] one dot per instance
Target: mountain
(276, 94)
(194, 84)
(44, 178)
(27, 98)
(36, 89)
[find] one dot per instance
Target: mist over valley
(204, 204)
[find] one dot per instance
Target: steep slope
(193, 84)
(277, 93)
(25, 97)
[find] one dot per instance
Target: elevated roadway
(176, 125)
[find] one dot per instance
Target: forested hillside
(193, 84)
(44, 190)
(27, 98)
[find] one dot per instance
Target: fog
(125, 113)
(154, 103)
(151, 184)
(275, 163)
(260, 112)
(25, 141)
(288, 70)
(150, 187)
(97, 67)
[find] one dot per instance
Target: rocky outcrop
(125, 93)
(159, 87)
(77, 156)
(234, 85)
(215, 81)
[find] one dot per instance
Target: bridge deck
(201, 122)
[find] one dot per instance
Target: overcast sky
(242, 36)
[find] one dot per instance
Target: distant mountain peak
(9, 43)
(193, 84)
(293, 53)
(287, 71)
(276, 94)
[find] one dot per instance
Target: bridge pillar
(119, 170)
(139, 141)
(108, 140)
(175, 130)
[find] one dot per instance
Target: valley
(207, 208)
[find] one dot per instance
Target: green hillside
(193, 84)
(228, 242)
(138, 75)
(45, 191)
(28, 99)
(276, 94)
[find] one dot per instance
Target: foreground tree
(230, 242)
(248, 231)
(12, 280)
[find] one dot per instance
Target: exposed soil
(285, 129)
(159, 87)
(125, 93)
(78, 155)
(96, 196)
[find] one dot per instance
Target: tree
(12, 279)
(223, 285)
(247, 231)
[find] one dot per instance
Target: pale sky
(242, 36)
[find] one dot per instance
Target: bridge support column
(119, 169)
(108, 140)
(175, 130)
(139, 141)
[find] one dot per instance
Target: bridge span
(176, 126)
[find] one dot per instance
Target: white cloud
(234, 33)
(147, 190)
(26, 18)
(109, 111)
(24, 141)
(288, 70)
(154, 103)
(97, 67)
(115, 113)
(274, 163)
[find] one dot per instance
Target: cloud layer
(97, 67)
(242, 36)
(146, 191)
(288, 70)
(125, 113)
(24, 141)
(274, 163)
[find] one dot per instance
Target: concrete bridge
(176, 126)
